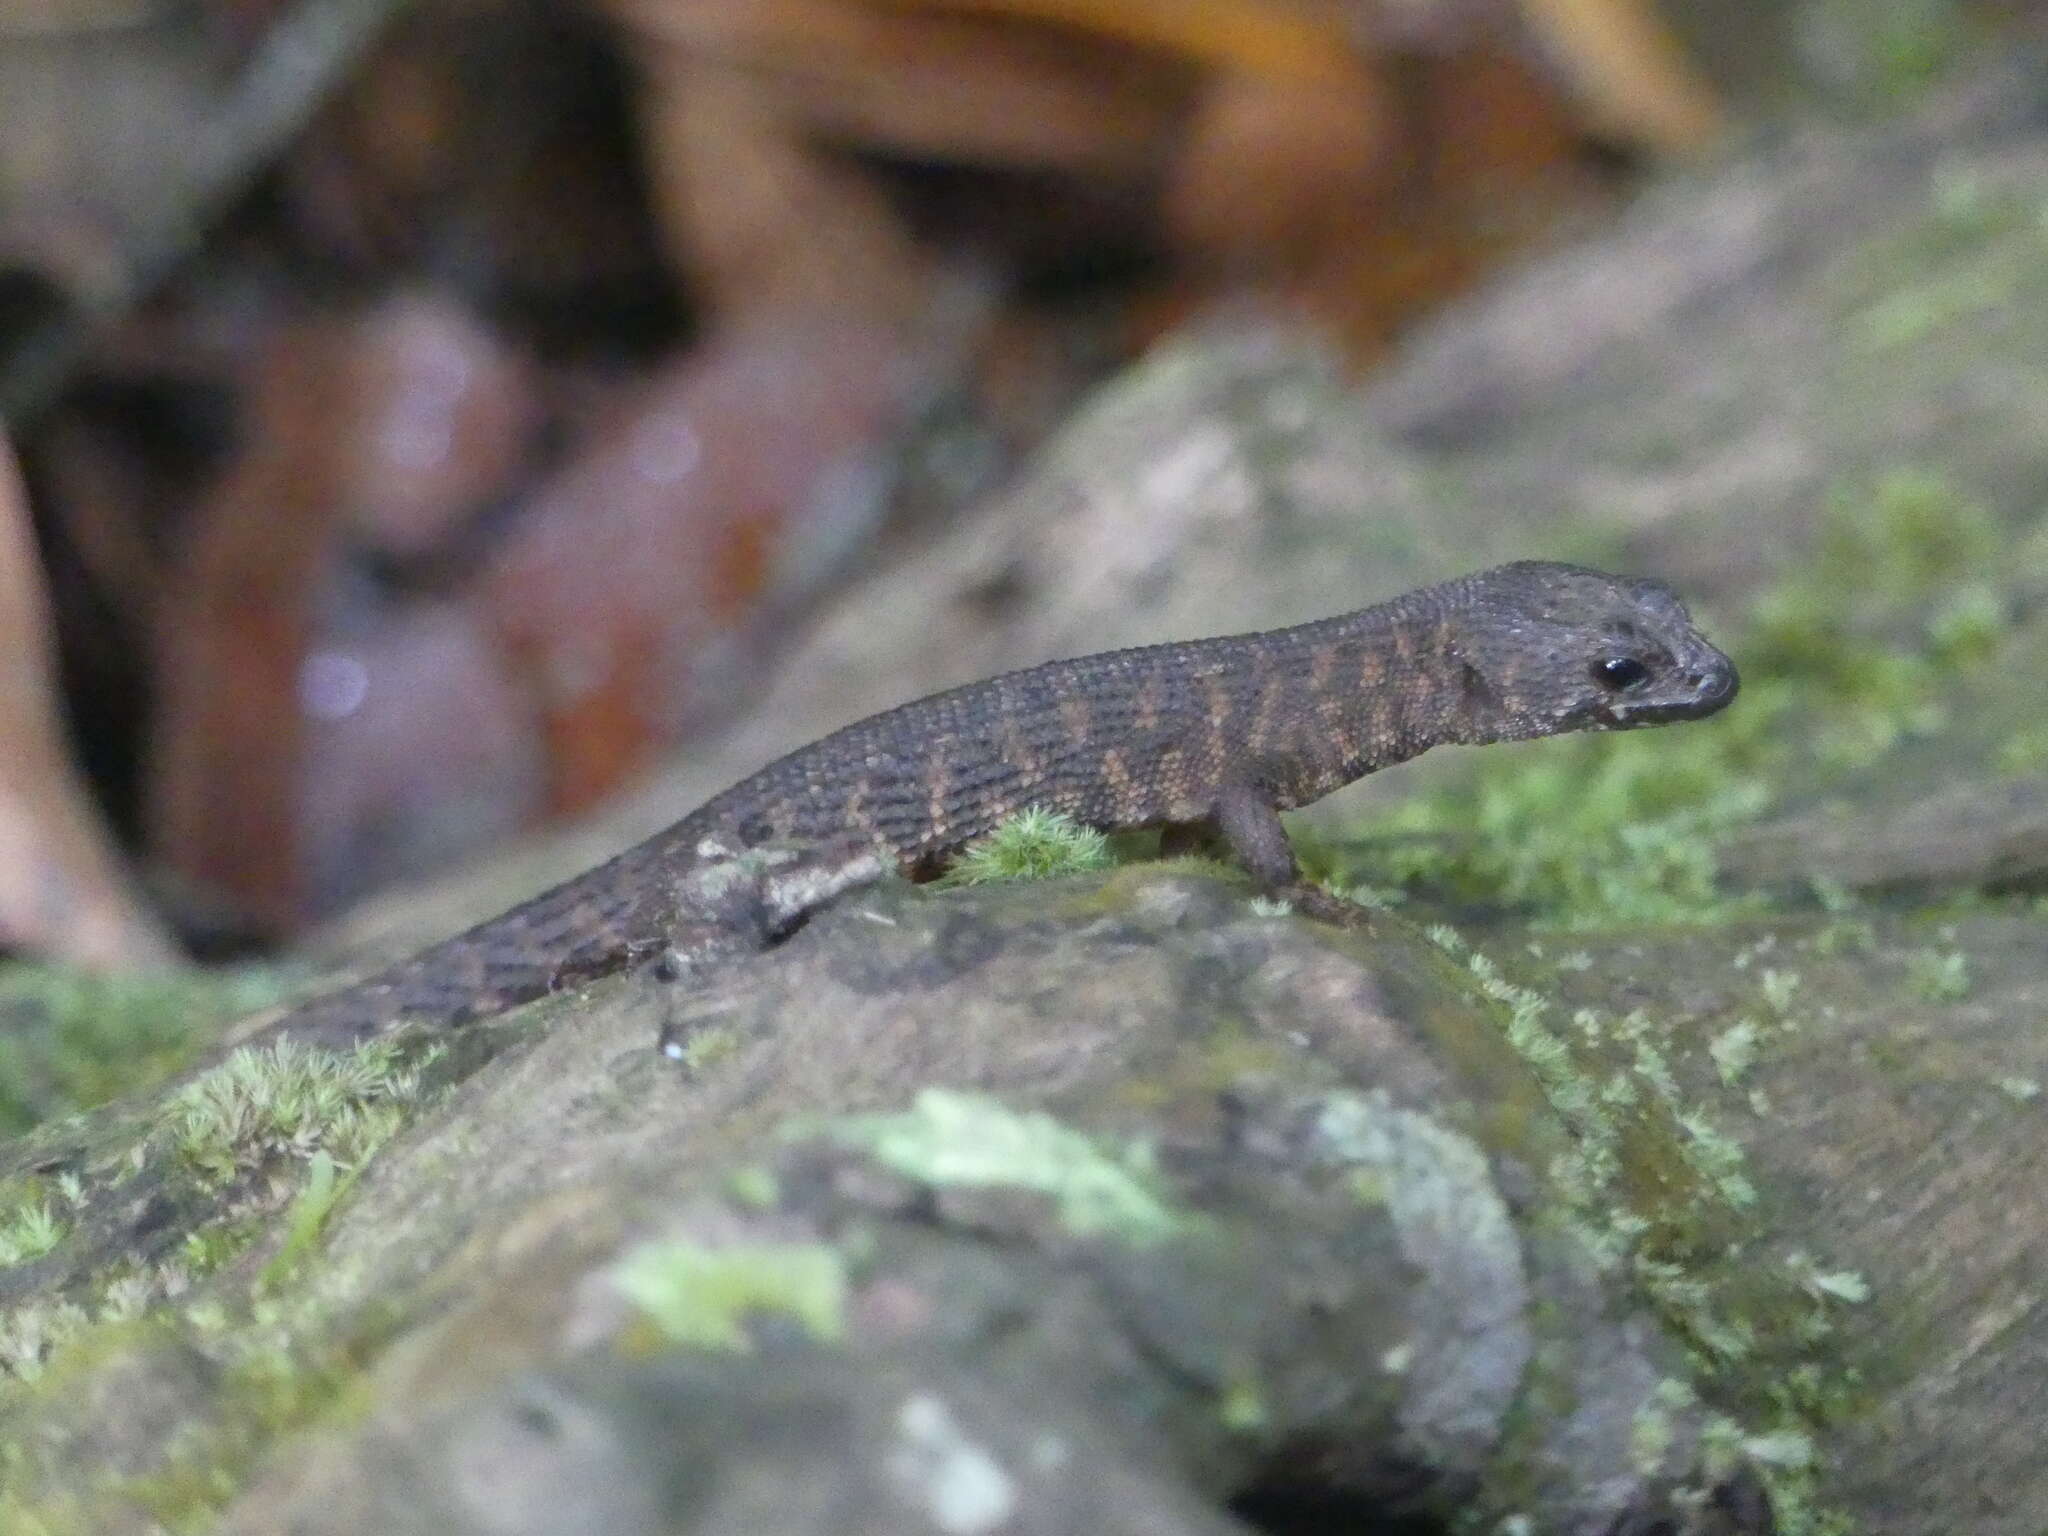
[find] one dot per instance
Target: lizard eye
(1617, 674)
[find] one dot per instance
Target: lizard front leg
(1247, 821)
(734, 901)
(1248, 825)
(1245, 824)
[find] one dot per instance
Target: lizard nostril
(1713, 682)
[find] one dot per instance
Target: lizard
(1211, 738)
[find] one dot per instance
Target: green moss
(310, 1209)
(1652, 1179)
(1651, 1434)
(1604, 828)
(290, 1100)
(2023, 753)
(755, 1187)
(1034, 844)
(1193, 862)
(964, 1140)
(1716, 1157)
(218, 1245)
(28, 1231)
(704, 1296)
(706, 1048)
(261, 1396)
(69, 1040)
(1659, 1192)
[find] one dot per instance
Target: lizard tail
(586, 927)
(443, 986)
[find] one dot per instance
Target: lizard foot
(1327, 907)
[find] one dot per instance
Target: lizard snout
(1714, 682)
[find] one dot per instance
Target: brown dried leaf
(647, 577)
(62, 889)
(311, 736)
(957, 87)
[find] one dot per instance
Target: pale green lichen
(1438, 1189)
(1734, 1050)
(1778, 989)
(1938, 976)
(1034, 844)
(948, 1139)
(707, 1295)
(1651, 1434)
(1434, 1182)
(1242, 1407)
(31, 1333)
(954, 1481)
(1832, 1285)
(1718, 1158)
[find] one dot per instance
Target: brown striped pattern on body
(1159, 735)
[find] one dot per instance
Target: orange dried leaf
(1630, 75)
(1275, 39)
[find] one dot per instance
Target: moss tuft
(28, 1230)
(293, 1101)
(1034, 844)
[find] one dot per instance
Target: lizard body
(1217, 735)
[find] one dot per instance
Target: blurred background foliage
(434, 413)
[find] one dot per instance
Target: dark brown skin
(1213, 737)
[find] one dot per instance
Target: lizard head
(1547, 648)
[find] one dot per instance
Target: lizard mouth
(1710, 686)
